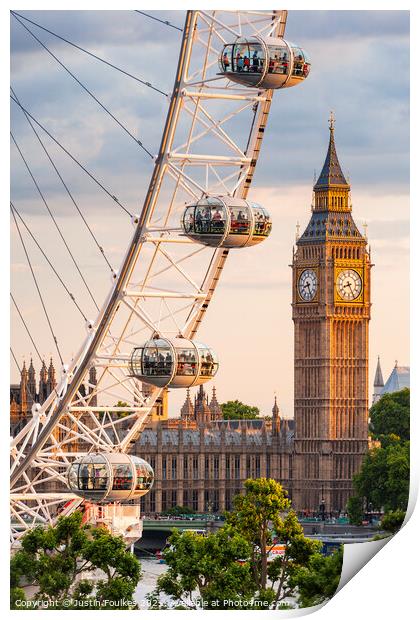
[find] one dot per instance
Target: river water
(151, 569)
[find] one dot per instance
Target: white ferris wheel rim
(38, 451)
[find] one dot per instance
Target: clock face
(349, 284)
(307, 285)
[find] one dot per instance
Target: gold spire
(365, 227)
(331, 175)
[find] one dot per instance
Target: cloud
(360, 68)
(350, 25)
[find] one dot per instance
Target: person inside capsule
(186, 362)
(255, 62)
(123, 477)
(144, 476)
(239, 221)
(207, 363)
(249, 56)
(262, 224)
(91, 476)
(157, 364)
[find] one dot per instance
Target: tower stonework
(331, 313)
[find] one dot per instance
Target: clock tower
(331, 312)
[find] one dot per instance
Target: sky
(360, 69)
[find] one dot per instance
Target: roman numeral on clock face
(307, 284)
(349, 284)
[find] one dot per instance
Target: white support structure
(163, 285)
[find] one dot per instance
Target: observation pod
(175, 362)
(110, 477)
(223, 221)
(271, 62)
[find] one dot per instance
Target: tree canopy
(355, 509)
(392, 521)
(54, 559)
(236, 568)
(384, 479)
(176, 511)
(235, 410)
(391, 416)
(318, 581)
(205, 571)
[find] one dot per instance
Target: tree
(205, 571)
(52, 559)
(384, 478)
(123, 414)
(355, 510)
(263, 516)
(235, 410)
(391, 415)
(235, 568)
(392, 521)
(177, 511)
(318, 581)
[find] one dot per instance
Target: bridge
(156, 531)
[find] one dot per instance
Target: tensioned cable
(162, 21)
(85, 88)
(54, 220)
(106, 62)
(65, 185)
(25, 325)
(38, 289)
(70, 294)
(114, 198)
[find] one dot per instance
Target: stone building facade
(28, 391)
(202, 461)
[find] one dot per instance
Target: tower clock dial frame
(349, 285)
(307, 285)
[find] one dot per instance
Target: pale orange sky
(249, 321)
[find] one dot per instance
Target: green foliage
(318, 580)
(235, 410)
(355, 510)
(204, 571)
(16, 594)
(384, 478)
(263, 516)
(391, 415)
(392, 521)
(233, 569)
(51, 559)
(123, 414)
(177, 511)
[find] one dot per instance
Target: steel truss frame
(165, 282)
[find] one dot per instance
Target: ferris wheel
(76, 445)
